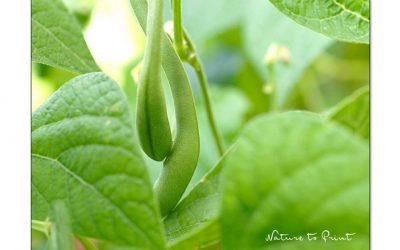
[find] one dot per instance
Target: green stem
(178, 33)
(42, 226)
(187, 53)
(210, 114)
(195, 62)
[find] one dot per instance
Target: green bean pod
(151, 116)
(180, 164)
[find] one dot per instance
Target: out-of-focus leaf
(261, 24)
(250, 82)
(353, 112)
(84, 152)
(335, 74)
(61, 237)
(201, 28)
(57, 39)
(345, 20)
(296, 173)
(264, 25)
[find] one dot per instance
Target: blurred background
(232, 39)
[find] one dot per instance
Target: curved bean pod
(179, 166)
(151, 116)
(181, 163)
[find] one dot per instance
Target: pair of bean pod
(179, 153)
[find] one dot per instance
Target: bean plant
(171, 160)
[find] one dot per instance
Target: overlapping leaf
(346, 20)
(84, 153)
(295, 173)
(305, 178)
(264, 25)
(57, 39)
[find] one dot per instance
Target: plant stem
(194, 61)
(210, 115)
(187, 53)
(42, 226)
(178, 33)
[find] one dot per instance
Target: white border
(15, 125)
(385, 76)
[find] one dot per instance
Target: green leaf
(61, 237)
(57, 39)
(208, 238)
(193, 223)
(344, 20)
(84, 152)
(264, 25)
(353, 112)
(296, 173)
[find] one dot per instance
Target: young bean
(151, 116)
(179, 166)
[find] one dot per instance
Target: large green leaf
(264, 25)
(345, 20)
(84, 152)
(296, 173)
(57, 39)
(353, 112)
